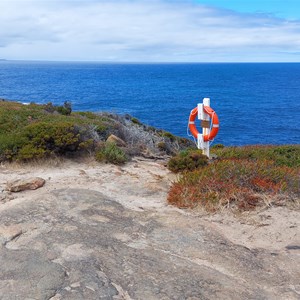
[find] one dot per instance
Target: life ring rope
(213, 129)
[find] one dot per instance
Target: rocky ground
(96, 231)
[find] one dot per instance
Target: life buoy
(214, 127)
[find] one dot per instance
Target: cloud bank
(148, 31)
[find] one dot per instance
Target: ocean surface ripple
(257, 103)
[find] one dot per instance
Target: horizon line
(145, 62)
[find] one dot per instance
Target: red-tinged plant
(237, 183)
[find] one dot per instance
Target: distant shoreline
(146, 62)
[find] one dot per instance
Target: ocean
(257, 103)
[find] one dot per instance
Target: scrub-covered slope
(39, 131)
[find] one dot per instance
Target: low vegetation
(30, 132)
(187, 160)
(39, 131)
(109, 152)
(284, 155)
(241, 178)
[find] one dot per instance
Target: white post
(205, 131)
(205, 151)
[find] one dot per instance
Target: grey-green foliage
(111, 153)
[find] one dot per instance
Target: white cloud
(142, 31)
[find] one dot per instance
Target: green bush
(57, 137)
(29, 152)
(9, 146)
(111, 153)
(35, 131)
(13, 116)
(41, 139)
(187, 160)
(66, 109)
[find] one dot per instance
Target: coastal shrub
(102, 129)
(15, 117)
(239, 183)
(162, 146)
(169, 135)
(58, 137)
(65, 109)
(187, 160)
(136, 121)
(185, 142)
(151, 128)
(44, 139)
(111, 153)
(283, 155)
(49, 107)
(29, 152)
(9, 146)
(87, 145)
(33, 131)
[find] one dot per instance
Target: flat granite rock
(79, 244)
(27, 275)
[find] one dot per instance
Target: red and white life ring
(214, 123)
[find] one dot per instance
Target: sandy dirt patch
(143, 185)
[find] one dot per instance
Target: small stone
(114, 139)
(25, 184)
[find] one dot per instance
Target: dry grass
(51, 162)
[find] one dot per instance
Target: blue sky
(281, 8)
(151, 30)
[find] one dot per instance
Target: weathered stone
(8, 233)
(114, 139)
(27, 275)
(110, 252)
(25, 184)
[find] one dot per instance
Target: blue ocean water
(257, 103)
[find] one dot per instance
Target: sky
(151, 31)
